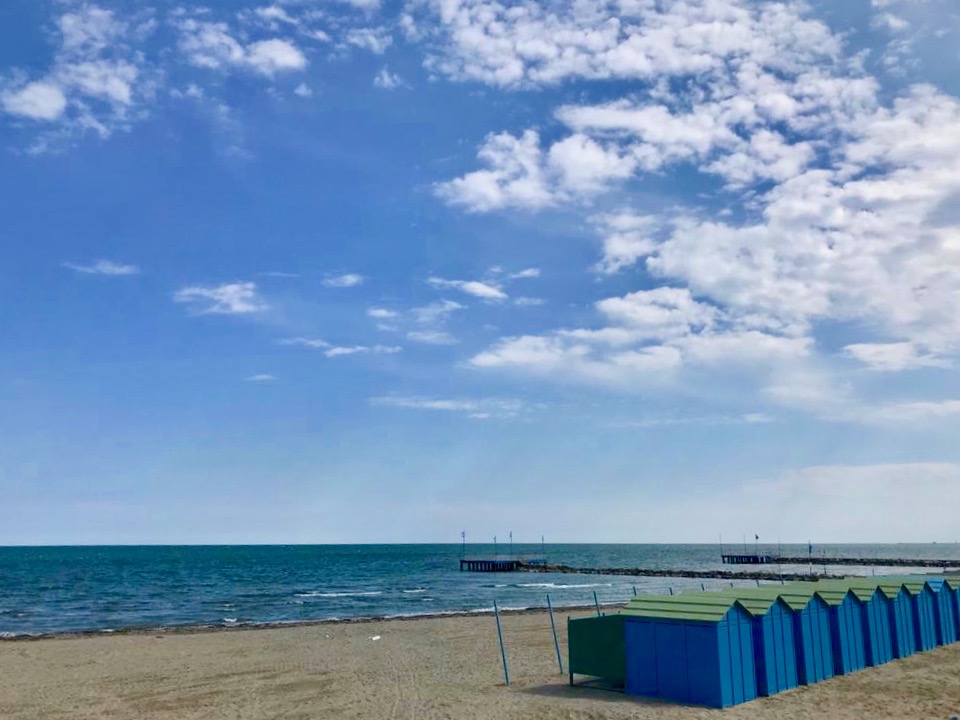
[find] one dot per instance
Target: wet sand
(421, 669)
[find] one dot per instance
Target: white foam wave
(561, 586)
(362, 593)
(415, 590)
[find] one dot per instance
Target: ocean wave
(229, 621)
(415, 590)
(359, 593)
(561, 586)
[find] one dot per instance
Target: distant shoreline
(193, 629)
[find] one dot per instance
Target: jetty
(865, 561)
(749, 559)
(680, 573)
(489, 565)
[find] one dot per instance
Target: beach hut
(774, 644)
(901, 619)
(690, 650)
(595, 647)
(846, 629)
(924, 602)
(811, 623)
(945, 609)
(878, 636)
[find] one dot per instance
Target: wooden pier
(490, 565)
(749, 559)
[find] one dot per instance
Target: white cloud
(96, 81)
(515, 177)
(558, 357)
(476, 288)
(211, 45)
(303, 90)
(239, 298)
(527, 301)
(628, 237)
(436, 312)
(312, 343)
(432, 337)
(376, 40)
(585, 166)
(333, 351)
(827, 205)
(260, 378)
(382, 313)
(37, 100)
(525, 274)
(478, 409)
(345, 280)
(891, 357)
(387, 80)
(103, 267)
(660, 314)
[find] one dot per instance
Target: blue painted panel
(876, 614)
(846, 631)
(776, 658)
(748, 654)
(672, 661)
(924, 619)
(901, 622)
(641, 651)
(946, 615)
(704, 675)
(812, 633)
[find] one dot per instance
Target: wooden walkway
(748, 559)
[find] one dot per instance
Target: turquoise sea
(47, 590)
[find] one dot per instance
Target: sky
(385, 271)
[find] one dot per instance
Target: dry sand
(420, 669)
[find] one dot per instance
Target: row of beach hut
(724, 648)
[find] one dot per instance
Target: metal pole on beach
(634, 590)
(553, 627)
(596, 602)
(503, 651)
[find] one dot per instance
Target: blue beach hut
(875, 609)
(901, 619)
(924, 602)
(811, 626)
(774, 644)
(945, 609)
(846, 630)
(689, 650)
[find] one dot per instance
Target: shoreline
(197, 629)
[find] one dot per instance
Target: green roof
(707, 607)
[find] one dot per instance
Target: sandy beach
(419, 669)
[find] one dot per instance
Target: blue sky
(357, 272)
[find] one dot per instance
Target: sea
(101, 589)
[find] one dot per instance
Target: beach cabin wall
(946, 611)
(776, 651)
(875, 612)
(814, 646)
(924, 617)
(595, 647)
(901, 623)
(846, 634)
(700, 663)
